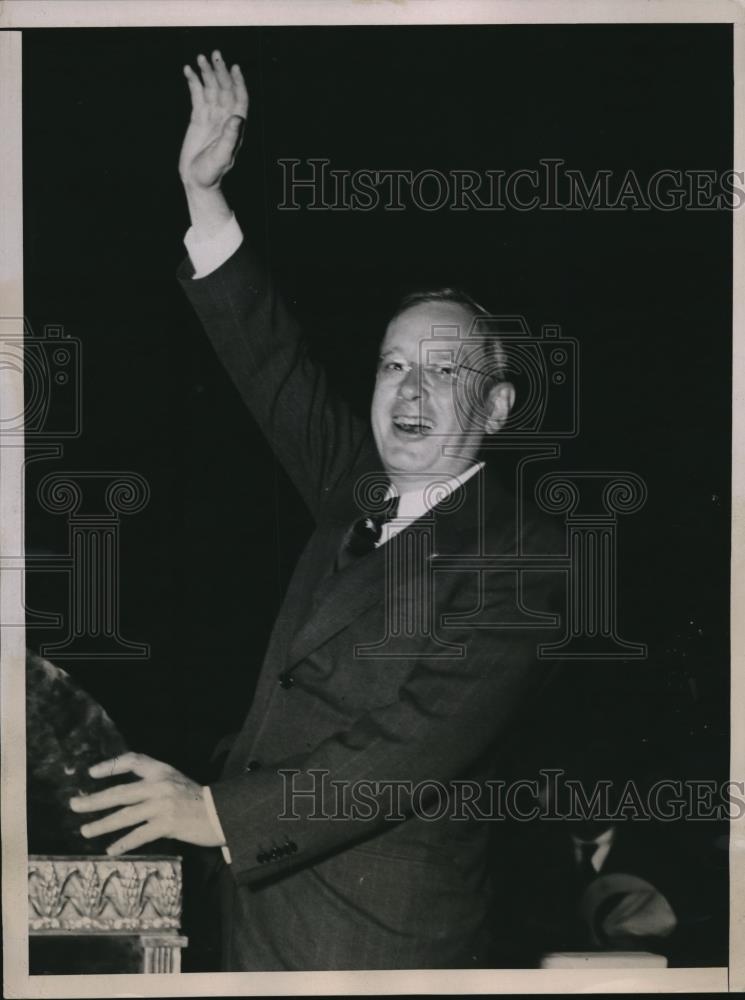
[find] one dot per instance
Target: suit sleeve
(315, 436)
(449, 712)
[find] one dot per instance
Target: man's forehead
(433, 325)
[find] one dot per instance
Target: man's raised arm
(314, 435)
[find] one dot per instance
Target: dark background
(646, 294)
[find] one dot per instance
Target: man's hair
(498, 362)
(445, 294)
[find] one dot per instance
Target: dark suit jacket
(366, 892)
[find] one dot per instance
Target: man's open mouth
(413, 425)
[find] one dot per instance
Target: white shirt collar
(413, 503)
(602, 844)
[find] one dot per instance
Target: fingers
(172, 808)
(119, 820)
(209, 79)
(144, 834)
(218, 86)
(221, 72)
(241, 93)
(119, 795)
(136, 763)
(195, 88)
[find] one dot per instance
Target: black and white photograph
(369, 598)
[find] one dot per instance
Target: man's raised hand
(219, 105)
(164, 803)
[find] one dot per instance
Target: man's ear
(500, 401)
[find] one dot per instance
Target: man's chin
(410, 457)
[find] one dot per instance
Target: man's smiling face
(417, 428)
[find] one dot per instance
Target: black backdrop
(647, 295)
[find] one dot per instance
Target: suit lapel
(329, 602)
(340, 597)
(456, 525)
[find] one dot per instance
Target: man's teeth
(413, 424)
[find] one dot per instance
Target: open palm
(219, 105)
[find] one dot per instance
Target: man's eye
(446, 372)
(392, 366)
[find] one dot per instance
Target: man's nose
(411, 387)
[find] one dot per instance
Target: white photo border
(15, 15)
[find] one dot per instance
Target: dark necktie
(364, 534)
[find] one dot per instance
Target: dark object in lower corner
(66, 732)
(73, 955)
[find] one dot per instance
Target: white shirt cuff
(207, 253)
(215, 821)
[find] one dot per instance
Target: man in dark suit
(401, 657)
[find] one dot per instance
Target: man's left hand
(165, 803)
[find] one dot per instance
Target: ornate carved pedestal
(134, 902)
